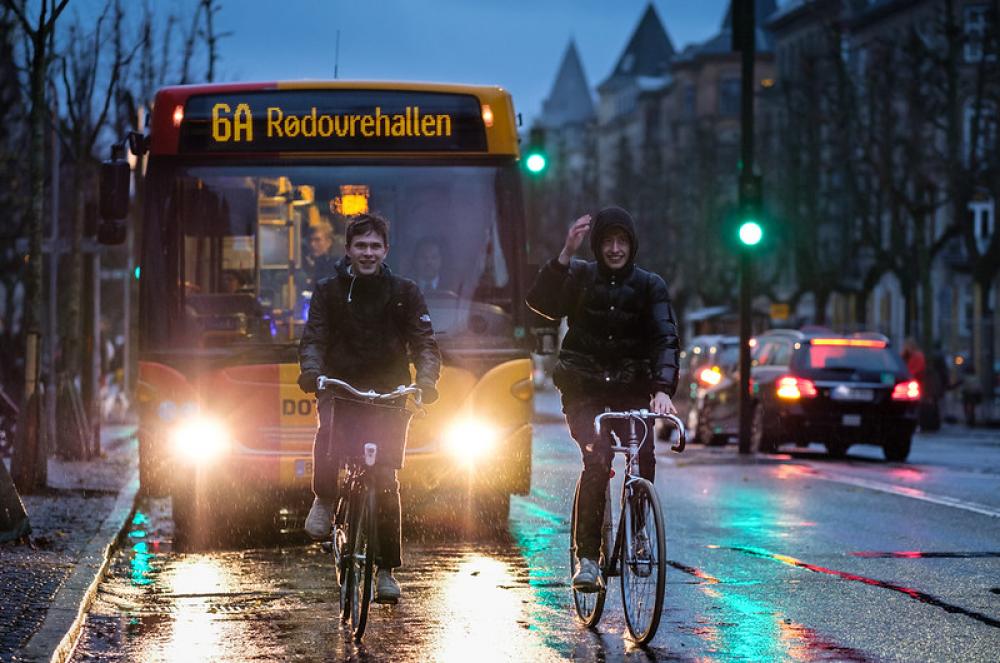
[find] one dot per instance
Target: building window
(982, 217)
(690, 99)
(729, 97)
(977, 19)
(979, 131)
(652, 121)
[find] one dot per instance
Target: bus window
(268, 233)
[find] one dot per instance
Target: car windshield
(728, 354)
(848, 357)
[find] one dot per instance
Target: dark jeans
(597, 459)
(326, 467)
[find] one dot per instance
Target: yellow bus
(244, 182)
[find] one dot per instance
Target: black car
(703, 363)
(836, 390)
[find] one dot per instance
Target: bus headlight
(200, 439)
(471, 439)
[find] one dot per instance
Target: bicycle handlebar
(323, 382)
(646, 414)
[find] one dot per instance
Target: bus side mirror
(115, 180)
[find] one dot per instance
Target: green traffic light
(536, 162)
(751, 233)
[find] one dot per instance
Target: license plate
(851, 420)
(845, 393)
(303, 468)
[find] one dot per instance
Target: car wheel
(896, 447)
(760, 439)
(836, 449)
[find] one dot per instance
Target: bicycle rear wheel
(589, 606)
(362, 563)
(643, 561)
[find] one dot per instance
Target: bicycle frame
(619, 547)
(357, 492)
(631, 451)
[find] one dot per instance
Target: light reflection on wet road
(766, 563)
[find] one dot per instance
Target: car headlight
(471, 439)
(200, 439)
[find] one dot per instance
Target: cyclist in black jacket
(621, 352)
(365, 327)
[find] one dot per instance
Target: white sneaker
(386, 587)
(587, 578)
(318, 520)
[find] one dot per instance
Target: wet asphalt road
(793, 557)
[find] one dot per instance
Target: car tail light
(906, 391)
(710, 376)
(792, 388)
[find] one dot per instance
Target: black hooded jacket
(622, 335)
(366, 330)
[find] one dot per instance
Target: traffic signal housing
(536, 159)
(750, 225)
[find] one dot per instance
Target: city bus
(242, 180)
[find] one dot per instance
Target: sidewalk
(73, 523)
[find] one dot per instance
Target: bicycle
(354, 541)
(634, 554)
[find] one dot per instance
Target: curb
(55, 639)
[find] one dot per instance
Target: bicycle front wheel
(643, 561)
(361, 563)
(589, 606)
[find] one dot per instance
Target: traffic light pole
(744, 32)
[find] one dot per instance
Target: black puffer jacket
(365, 330)
(622, 335)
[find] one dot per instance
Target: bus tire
(152, 472)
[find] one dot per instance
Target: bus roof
(489, 130)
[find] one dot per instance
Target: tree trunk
(982, 341)
(73, 444)
(30, 457)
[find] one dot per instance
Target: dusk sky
(514, 43)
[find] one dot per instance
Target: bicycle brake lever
(614, 436)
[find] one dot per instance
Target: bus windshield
(236, 251)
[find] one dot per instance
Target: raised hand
(574, 238)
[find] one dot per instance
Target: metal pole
(52, 341)
(744, 21)
(95, 358)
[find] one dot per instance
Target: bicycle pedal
(327, 546)
(385, 601)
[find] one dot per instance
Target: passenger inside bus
(323, 252)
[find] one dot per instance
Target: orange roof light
(852, 342)
(178, 115)
(487, 115)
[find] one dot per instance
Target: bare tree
(89, 92)
(13, 200)
(29, 456)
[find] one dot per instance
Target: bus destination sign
(332, 121)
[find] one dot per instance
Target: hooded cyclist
(620, 352)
